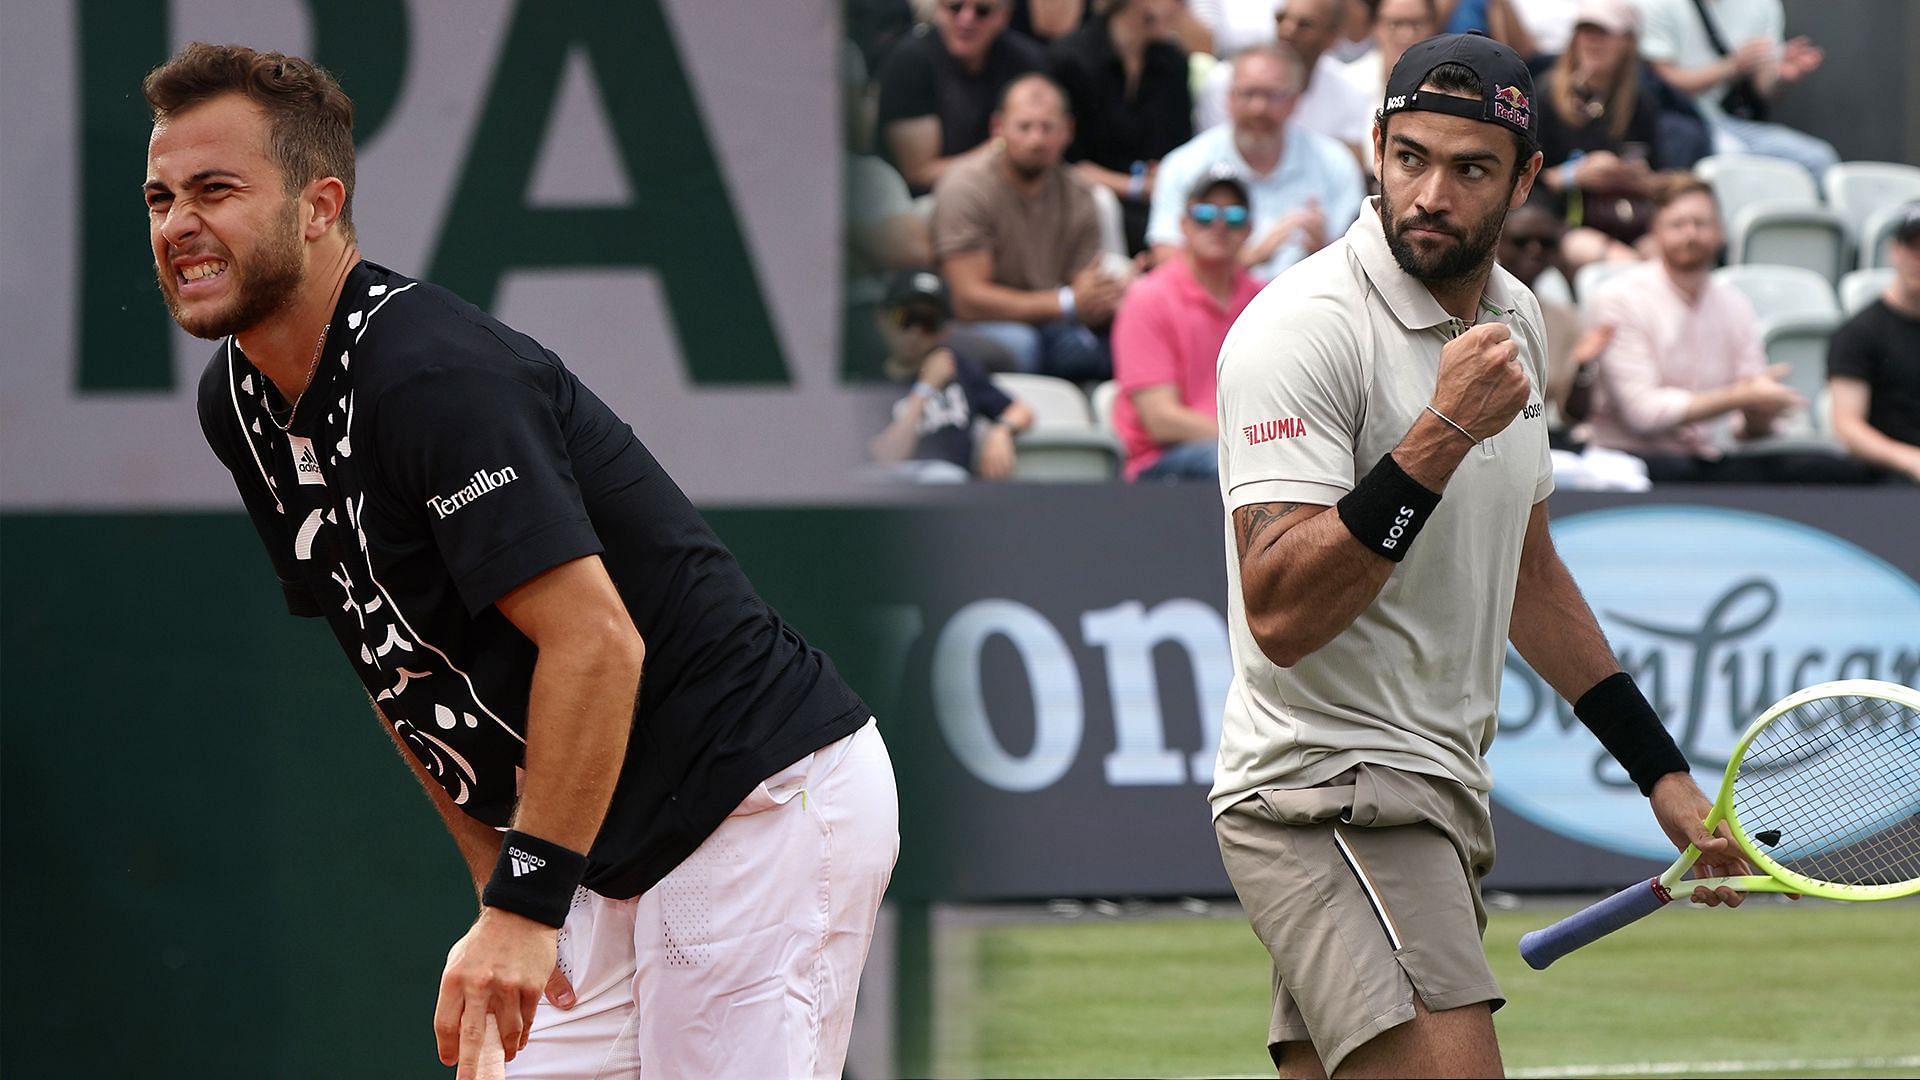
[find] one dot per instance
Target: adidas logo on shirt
(306, 463)
(524, 863)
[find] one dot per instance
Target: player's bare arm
(1555, 632)
(579, 714)
(1304, 575)
(479, 845)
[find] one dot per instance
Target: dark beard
(273, 275)
(1468, 257)
(1028, 173)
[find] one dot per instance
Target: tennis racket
(1822, 796)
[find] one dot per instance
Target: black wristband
(1386, 509)
(534, 878)
(1619, 715)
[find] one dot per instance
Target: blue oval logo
(1718, 614)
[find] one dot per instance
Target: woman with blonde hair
(1599, 132)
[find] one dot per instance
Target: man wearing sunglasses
(939, 87)
(1306, 187)
(1166, 338)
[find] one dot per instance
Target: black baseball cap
(921, 289)
(1506, 86)
(1220, 175)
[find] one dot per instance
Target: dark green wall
(214, 864)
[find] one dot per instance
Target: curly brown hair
(310, 119)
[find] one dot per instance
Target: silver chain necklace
(313, 368)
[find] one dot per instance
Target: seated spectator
(1049, 20)
(1873, 366)
(1396, 25)
(1328, 104)
(1599, 133)
(1529, 245)
(1127, 87)
(933, 425)
(1685, 369)
(1018, 241)
(1166, 338)
(1733, 70)
(1306, 187)
(1236, 25)
(938, 86)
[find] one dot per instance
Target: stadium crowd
(1057, 208)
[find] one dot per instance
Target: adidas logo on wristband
(523, 863)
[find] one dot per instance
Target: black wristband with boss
(1620, 716)
(1387, 509)
(534, 878)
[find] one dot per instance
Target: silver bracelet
(1453, 425)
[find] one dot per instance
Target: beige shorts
(744, 962)
(1364, 889)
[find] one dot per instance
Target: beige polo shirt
(1323, 374)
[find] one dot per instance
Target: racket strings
(1831, 790)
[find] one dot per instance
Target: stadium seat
(1063, 444)
(1103, 397)
(1740, 180)
(1857, 189)
(1877, 235)
(1591, 276)
(1800, 341)
(1778, 292)
(1784, 234)
(1861, 287)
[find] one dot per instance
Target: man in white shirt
(1306, 186)
(1329, 104)
(1677, 44)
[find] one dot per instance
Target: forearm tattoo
(1253, 522)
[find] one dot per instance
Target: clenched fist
(1482, 386)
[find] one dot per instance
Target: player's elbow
(1279, 638)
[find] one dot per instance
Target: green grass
(1183, 996)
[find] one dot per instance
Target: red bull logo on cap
(1511, 106)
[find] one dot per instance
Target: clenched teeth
(203, 270)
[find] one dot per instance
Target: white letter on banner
(1129, 633)
(962, 710)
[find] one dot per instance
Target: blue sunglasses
(1204, 214)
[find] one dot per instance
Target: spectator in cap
(938, 87)
(1305, 185)
(1328, 104)
(932, 432)
(1733, 68)
(1873, 366)
(1018, 240)
(1600, 134)
(1127, 86)
(1166, 338)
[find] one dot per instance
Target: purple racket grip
(1629, 905)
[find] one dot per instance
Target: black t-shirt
(438, 460)
(1881, 347)
(1559, 139)
(946, 420)
(1109, 129)
(920, 78)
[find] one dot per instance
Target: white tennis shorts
(744, 961)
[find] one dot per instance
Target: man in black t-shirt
(690, 864)
(939, 86)
(1873, 365)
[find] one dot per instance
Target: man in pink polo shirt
(1167, 335)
